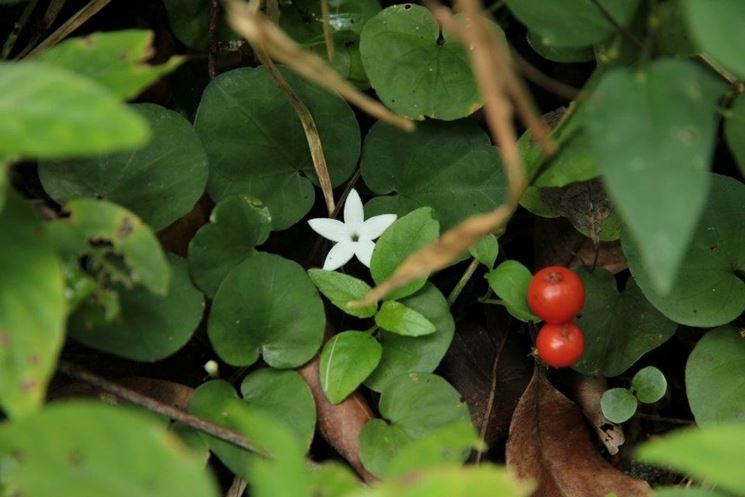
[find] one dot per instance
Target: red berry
(560, 345)
(556, 294)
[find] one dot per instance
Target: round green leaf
(510, 281)
(160, 183)
(32, 309)
(660, 184)
(416, 354)
(464, 175)
(256, 145)
(266, 306)
(415, 68)
(618, 328)
(714, 374)
(572, 23)
(346, 361)
(734, 131)
(558, 53)
(341, 289)
(397, 318)
(649, 385)
(413, 405)
(717, 26)
(149, 327)
(709, 289)
(237, 225)
(286, 396)
(49, 112)
(89, 449)
(618, 405)
(190, 21)
(404, 237)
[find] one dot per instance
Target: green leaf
(286, 396)
(414, 406)
(673, 36)
(649, 385)
(416, 354)
(710, 287)
(486, 251)
(346, 361)
(619, 328)
(557, 53)
(256, 145)
(716, 25)
(464, 175)
(100, 228)
(618, 405)
(266, 306)
(415, 68)
(89, 449)
(160, 182)
(149, 327)
(49, 112)
(340, 289)
(32, 309)
(714, 374)
(397, 318)
(404, 237)
(334, 479)
(116, 60)
(734, 131)
(685, 492)
(660, 184)
(237, 225)
(714, 454)
(510, 281)
(190, 20)
(572, 23)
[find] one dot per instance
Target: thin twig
(78, 19)
(458, 288)
(616, 25)
(79, 373)
(543, 80)
(10, 42)
(328, 36)
(213, 45)
(237, 487)
(492, 395)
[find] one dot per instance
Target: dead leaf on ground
(549, 443)
(587, 391)
(585, 204)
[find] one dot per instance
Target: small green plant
(647, 386)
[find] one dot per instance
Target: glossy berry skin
(560, 345)
(556, 294)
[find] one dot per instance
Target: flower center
(355, 237)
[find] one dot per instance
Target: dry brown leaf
(549, 444)
(176, 237)
(587, 391)
(585, 204)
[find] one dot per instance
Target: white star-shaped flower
(354, 236)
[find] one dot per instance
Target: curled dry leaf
(549, 444)
(585, 204)
(588, 390)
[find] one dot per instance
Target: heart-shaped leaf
(256, 145)
(80, 117)
(149, 327)
(160, 183)
(710, 287)
(237, 225)
(734, 131)
(573, 23)
(464, 172)
(341, 289)
(413, 405)
(415, 68)
(416, 354)
(404, 237)
(717, 27)
(714, 375)
(32, 309)
(619, 328)
(346, 361)
(660, 184)
(266, 306)
(92, 439)
(115, 59)
(510, 281)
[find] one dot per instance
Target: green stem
(462, 281)
(493, 302)
(10, 42)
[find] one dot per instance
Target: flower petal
(339, 255)
(375, 226)
(354, 213)
(363, 249)
(331, 229)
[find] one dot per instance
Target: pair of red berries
(556, 295)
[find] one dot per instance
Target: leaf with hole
(341, 289)
(346, 361)
(709, 289)
(160, 182)
(660, 185)
(256, 144)
(266, 306)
